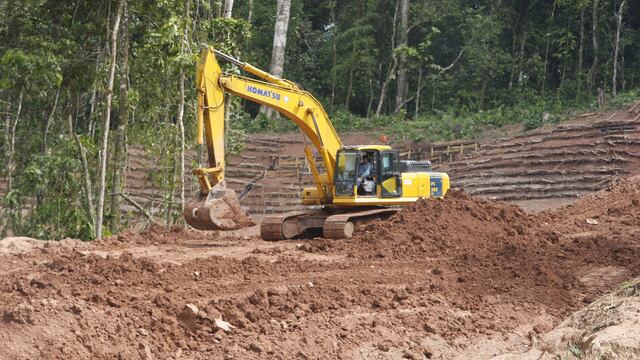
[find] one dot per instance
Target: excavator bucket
(219, 210)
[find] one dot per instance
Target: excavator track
(273, 227)
(331, 225)
(342, 226)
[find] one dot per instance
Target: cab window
(345, 175)
(388, 160)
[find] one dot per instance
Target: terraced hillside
(566, 161)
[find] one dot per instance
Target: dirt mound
(481, 248)
(605, 329)
(157, 235)
(21, 245)
(616, 209)
(449, 227)
(433, 279)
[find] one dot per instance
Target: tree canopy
(434, 69)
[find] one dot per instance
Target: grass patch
(455, 124)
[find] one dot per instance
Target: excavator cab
(383, 178)
(395, 181)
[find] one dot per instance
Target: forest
(81, 81)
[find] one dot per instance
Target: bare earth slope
(554, 165)
(458, 278)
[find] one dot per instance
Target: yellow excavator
(359, 182)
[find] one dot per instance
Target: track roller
(281, 227)
(338, 229)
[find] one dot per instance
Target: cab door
(390, 184)
(345, 173)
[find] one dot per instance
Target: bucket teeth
(219, 210)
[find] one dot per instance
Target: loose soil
(442, 279)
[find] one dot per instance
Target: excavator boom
(215, 207)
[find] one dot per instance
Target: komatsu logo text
(262, 92)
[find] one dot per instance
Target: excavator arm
(216, 207)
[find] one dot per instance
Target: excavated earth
(458, 278)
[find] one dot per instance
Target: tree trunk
(622, 78)
(514, 54)
(402, 83)
(119, 152)
(280, 37)
(107, 119)
(172, 191)
(580, 52)
(349, 89)
(12, 146)
(48, 123)
(228, 8)
(417, 111)
(279, 44)
(182, 139)
(370, 96)
(47, 126)
(562, 77)
(616, 48)
(434, 88)
(250, 14)
(181, 103)
(392, 67)
(546, 51)
(85, 173)
(332, 5)
(484, 91)
(227, 100)
(8, 116)
(523, 41)
(94, 95)
(385, 84)
(518, 28)
(594, 37)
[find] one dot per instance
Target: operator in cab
(364, 171)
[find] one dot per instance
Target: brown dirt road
(459, 278)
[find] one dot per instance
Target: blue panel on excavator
(436, 186)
